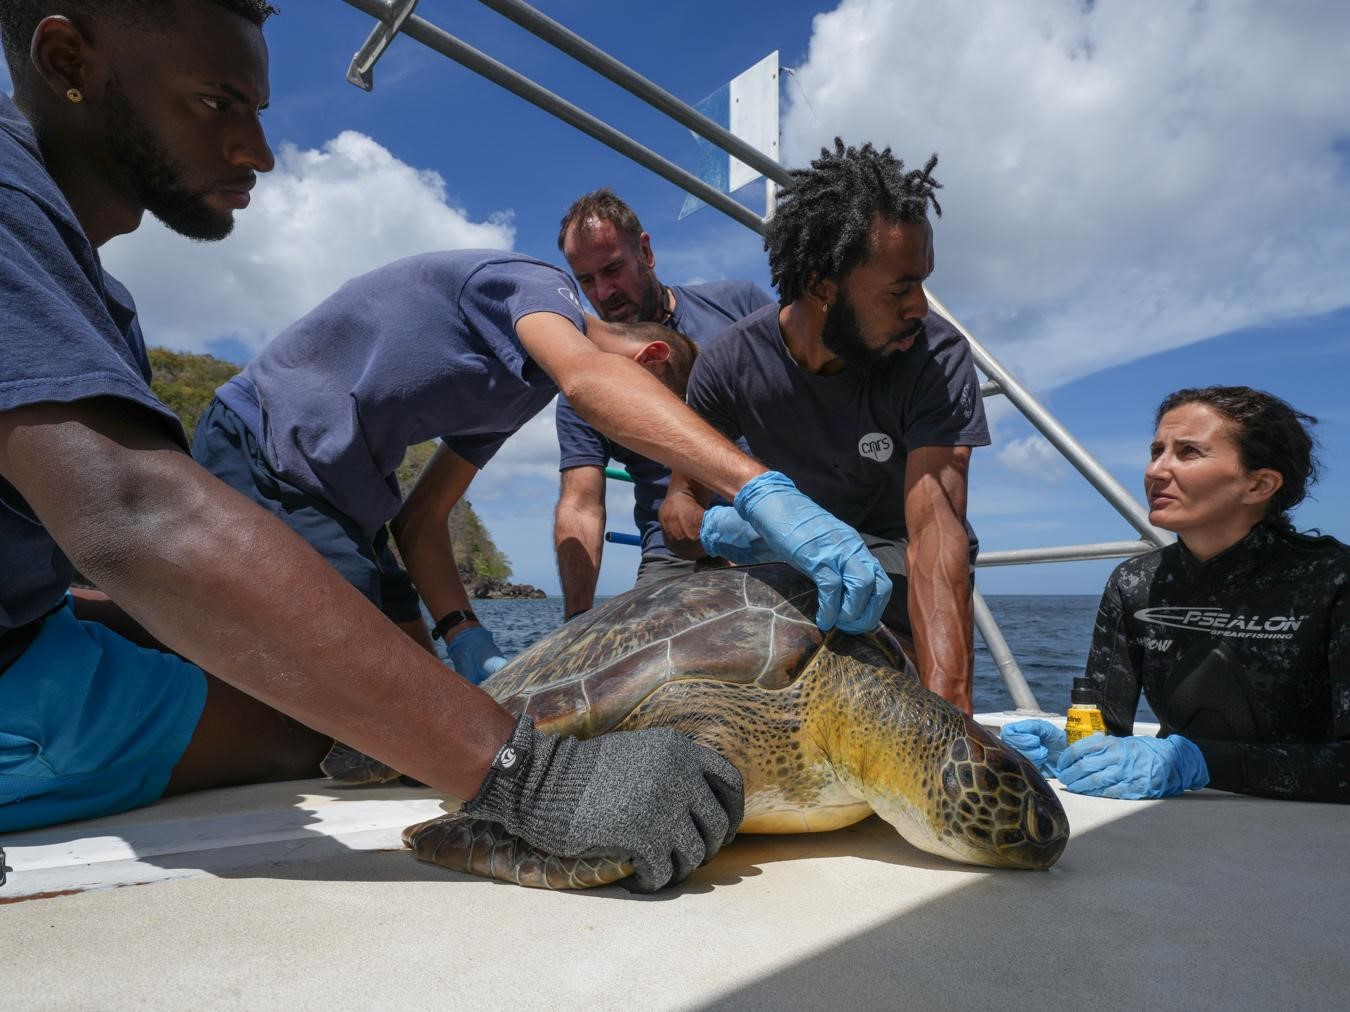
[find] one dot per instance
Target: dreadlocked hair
(20, 18)
(1269, 433)
(822, 226)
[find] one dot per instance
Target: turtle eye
(951, 786)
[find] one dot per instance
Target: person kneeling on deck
(612, 258)
(155, 106)
(1238, 635)
(860, 394)
(468, 345)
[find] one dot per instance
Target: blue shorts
(227, 447)
(90, 724)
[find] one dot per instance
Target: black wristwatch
(450, 621)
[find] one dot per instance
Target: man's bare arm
(682, 516)
(631, 407)
(215, 578)
(422, 531)
(940, 605)
(578, 535)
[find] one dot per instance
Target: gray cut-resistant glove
(654, 795)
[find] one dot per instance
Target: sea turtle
(825, 728)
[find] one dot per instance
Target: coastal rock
(501, 590)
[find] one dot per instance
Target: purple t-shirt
(420, 348)
(70, 333)
(701, 313)
(843, 438)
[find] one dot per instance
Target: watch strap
(452, 619)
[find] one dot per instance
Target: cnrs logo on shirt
(877, 446)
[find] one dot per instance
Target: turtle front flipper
(478, 847)
(348, 766)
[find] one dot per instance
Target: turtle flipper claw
(348, 766)
(478, 847)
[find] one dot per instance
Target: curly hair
(20, 18)
(601, 205)
(1269, 433)
(823, 222)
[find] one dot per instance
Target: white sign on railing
(747, 105)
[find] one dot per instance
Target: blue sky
(1137, 197)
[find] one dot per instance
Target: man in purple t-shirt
(613, 260)
(851, 387)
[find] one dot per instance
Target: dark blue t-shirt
(843, 438)
(701, 313)
(420, 348)
(70, 333)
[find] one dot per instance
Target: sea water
(1049, 635)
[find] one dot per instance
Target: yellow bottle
(1085, 716)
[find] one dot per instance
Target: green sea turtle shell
(748, 625)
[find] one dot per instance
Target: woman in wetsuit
(1238, 635)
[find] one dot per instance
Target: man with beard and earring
(613, 261)
(852, 388)
(126, 105)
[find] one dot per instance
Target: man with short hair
(466, 345)
(121, 107)
(852, 388)
(612, 259)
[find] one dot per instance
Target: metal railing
(397, 16)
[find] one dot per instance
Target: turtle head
(996, 809)
(975, 800)
(969, 798)
(945, 783)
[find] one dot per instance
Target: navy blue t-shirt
(843, 438)
(419, 348)
(701, 312)
(70, 333)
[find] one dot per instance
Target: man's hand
(474, 654)
(653, 795)
(1039, 740)
(725, 535)
(852, 588)
(682, 517)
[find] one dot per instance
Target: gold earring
(74, 95)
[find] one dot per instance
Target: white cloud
(1119, 178)
(321, 217)
(1033, 457)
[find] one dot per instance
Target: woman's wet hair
(1269, 433)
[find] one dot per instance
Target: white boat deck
(299, 895)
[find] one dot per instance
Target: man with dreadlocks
(123, 106)
(851, 387)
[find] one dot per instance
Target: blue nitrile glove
(474, 654)
(1039, 740)
(725, 535)
(1133, 768)
(851, 587)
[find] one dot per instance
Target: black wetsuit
(1247, 655)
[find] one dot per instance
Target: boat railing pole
(441, 41)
